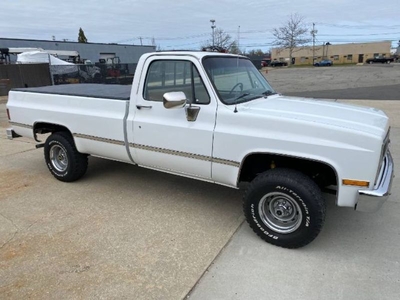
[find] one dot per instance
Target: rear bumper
(11, 133)
(372, 200)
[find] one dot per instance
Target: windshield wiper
(240, 97)
(268, 93)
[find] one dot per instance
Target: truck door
(167, 139)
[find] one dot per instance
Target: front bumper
(372, 200)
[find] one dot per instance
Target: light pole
(212, 28)
(313, 33)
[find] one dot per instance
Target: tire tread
(295, 177)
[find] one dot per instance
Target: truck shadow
(121, 176)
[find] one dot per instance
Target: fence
(33, 75)
(29, 75)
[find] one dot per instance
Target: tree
(234, 48)
(81, 36)
(291, 35)
(257, 52)
(222, 40)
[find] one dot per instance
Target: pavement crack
(15, 232)
(39, 220)
(11, 154)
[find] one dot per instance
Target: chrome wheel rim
(58, 158)
(280, 212)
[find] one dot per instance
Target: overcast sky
(186, 24)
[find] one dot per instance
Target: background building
(87, 51)
(339, 54)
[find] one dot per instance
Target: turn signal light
(355, 182)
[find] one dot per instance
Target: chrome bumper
(372, 200)
(11, 134)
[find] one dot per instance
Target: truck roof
(197, 54)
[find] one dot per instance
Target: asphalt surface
(387, 92)
(124, 232)
(379, 82)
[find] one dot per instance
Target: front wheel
(285, 208)
(63, 159)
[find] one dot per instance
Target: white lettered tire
(63, 159)
(285, 208)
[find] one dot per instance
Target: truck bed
(91, 90)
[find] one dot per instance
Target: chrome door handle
(143, 106)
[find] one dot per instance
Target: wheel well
(254, 164)
(43, 128)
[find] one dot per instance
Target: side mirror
(174, 100)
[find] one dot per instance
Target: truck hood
(358, 118)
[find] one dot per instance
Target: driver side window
(165, 76)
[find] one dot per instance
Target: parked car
(265, 63)
(380, 59)
(278, 63)
(325, 62)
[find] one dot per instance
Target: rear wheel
(63, 159)
(285, 208)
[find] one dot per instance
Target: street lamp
(212, 28)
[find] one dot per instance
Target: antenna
(238, 40)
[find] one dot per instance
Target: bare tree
(257, 52)
(292, 35)
(221, 40)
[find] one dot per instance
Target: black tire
(299, 209)
(63, 160)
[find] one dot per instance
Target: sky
(185, 24)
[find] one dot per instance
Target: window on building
(172, 76)
(302, 59)
(376, 54)
(349, 56)
(336, 57)
(281, 59)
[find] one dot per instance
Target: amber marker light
(362, 183)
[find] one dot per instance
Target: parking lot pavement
(387, 92)
(356, 256)
(122, 232)
(303, 81)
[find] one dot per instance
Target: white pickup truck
(214, 117)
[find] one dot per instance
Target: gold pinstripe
(21, 125)
(161, 150)
(99, 139)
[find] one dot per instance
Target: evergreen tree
(81, 37)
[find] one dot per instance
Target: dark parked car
(278, 63)
(325, 62)
(380, 59)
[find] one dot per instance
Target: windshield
(236, 79)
